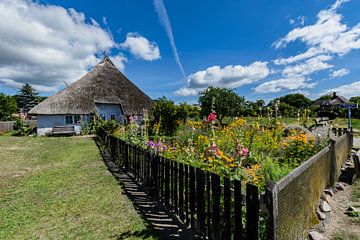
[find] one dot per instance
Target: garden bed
(249, 152)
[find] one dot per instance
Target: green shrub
(21, 128)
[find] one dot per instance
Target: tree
(164, 113)
(225, 102)
(289, 104)
(185, 111)
(7, 107)
(27, 98)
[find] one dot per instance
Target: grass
(345, 236)
(59, 188)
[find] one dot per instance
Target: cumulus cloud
(119, 61)
(312, 65)
(339, 73)
(326, 39)
(288, 83)
(327, 36)
(141, 47)
(46, 45)
(348, 90)
(229, 77)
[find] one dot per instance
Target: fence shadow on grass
(163, 225)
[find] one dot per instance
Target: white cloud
(141, 47)
(312, 65)
(339, 73)
(327, 36)
(298, 21)
(349, 90)
(119, 61)
(229, 77)
(311, 52)
(288, 83)
(46, 45)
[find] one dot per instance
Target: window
(112, 116)
(77, 118)
(103, 116)
(69, 119)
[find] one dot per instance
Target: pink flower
(213, 150)
(211, 117)
(245, 151)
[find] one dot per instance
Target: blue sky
(263, 49)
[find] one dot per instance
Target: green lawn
(59, 188)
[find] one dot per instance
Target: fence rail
(212, 205)
(7, 126)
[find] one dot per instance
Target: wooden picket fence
(212, 205)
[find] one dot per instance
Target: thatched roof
(103, 84)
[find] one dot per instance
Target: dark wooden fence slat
(181, 191)
(186, 186)
(192, 195)
(208, 204)
(227, 209)
(252, 211)
(238, 231)
(172, 183)
(176, 187)
(200, 200)
(162, 176)
(216, 192)
(167, 182)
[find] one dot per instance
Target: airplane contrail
(165, 22)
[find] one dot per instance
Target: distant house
(104, 90)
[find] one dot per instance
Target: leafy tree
(225, 102)
(27, 98)
(7, 107)
(185, 111)
(296, 100)
(289, 104)
(164, 113)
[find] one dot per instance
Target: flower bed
(250, 152)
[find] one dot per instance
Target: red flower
(211, 117)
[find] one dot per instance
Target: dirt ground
(341, 225)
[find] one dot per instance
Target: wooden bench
(63, 130)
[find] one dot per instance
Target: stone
(324, 206)
(352, 209)
(324, 197)
(329, 192)
(348, 163)
(339, 186)
(320, 215)
(343, 169)
(315, 235)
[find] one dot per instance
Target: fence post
(200, 193)
(238, 232)
(252, 211)
(332, 163)
(271, 198)
(356, 164)
(126, 158)
(216, 192)
(227, 209)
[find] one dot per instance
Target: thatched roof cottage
(104, 90)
